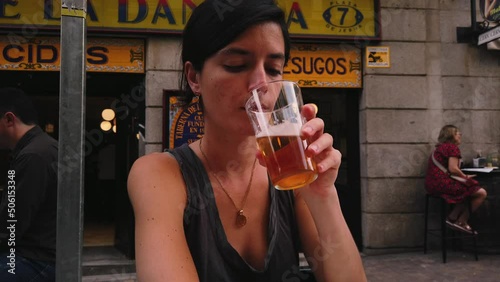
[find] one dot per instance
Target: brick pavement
(417, 266)
(407, 267)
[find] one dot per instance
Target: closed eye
(274, 72)
(234, 69)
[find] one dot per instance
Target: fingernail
(315, 108)
(314, 148)
(308, 129)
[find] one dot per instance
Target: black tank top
(214, 257)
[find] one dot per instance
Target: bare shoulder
(158, 194)
(156, 175)
(154, 167)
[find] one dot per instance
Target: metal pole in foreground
(71, 141)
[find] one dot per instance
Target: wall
(433, 81)
(163, 69)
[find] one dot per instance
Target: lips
(254, 108)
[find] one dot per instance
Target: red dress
(441, 184)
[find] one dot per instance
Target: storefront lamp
(108, 114)
(106, 125)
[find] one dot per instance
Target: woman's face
(227, 78)
(458, 137)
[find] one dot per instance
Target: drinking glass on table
(274, 109)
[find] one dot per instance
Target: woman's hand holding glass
(321, 149)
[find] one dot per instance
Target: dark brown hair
(216, 23)
(16, 101)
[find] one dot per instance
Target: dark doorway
(108, 217)
(339, 109)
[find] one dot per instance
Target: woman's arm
(327, 242)
(453, 167)
(157, 192)
(325, 236)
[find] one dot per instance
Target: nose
(258, 77)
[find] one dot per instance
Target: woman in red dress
(441, 184)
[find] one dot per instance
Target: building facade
(433, 81)
(415, 77)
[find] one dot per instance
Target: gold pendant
(241, 219)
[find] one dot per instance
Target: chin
(247, 130)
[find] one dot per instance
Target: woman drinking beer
(207, 211)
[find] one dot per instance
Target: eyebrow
(243, 52)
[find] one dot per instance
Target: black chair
(443, 231)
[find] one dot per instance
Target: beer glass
(274, 109)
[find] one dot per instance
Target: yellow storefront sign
(305, 18)
(331, 19)
(325, 66)
(43, 54)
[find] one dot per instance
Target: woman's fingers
(317, 145)
(321, 150)
(312, 130)
(309, 111)
(320, 144)
(329, 159)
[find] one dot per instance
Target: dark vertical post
(71, 141)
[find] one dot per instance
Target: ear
(10, 118)
(193, 77)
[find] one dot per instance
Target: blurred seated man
(28, 207)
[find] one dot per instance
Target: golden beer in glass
(274, 110)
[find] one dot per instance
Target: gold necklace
(241, 219)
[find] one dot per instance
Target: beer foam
(286, 128)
